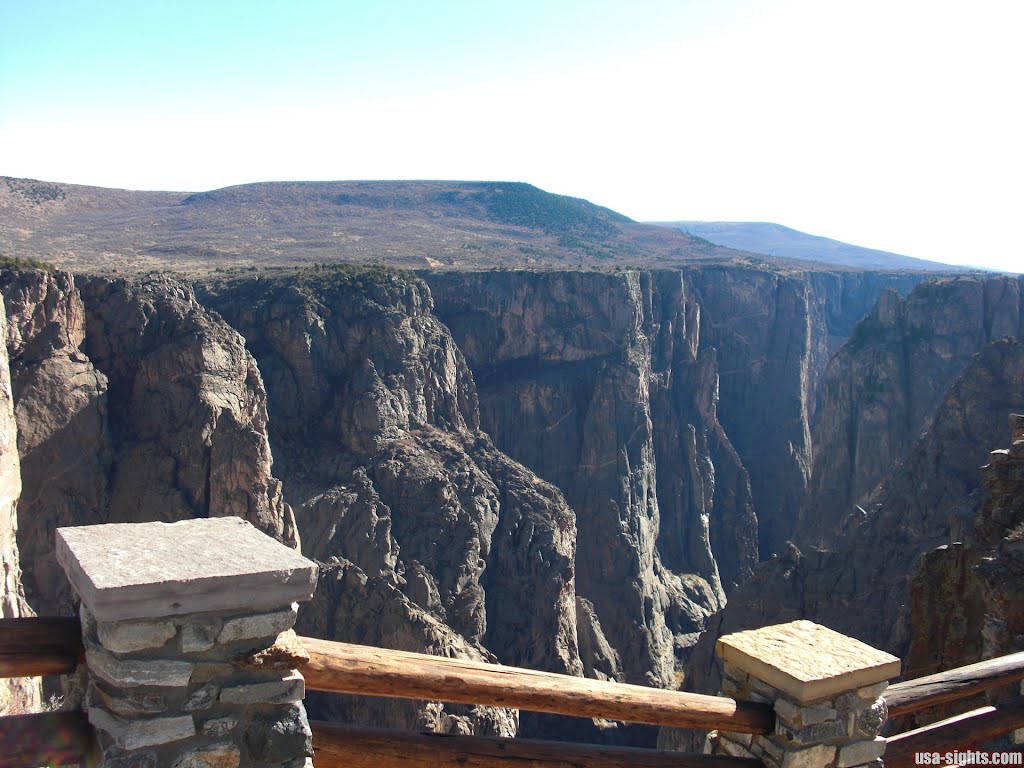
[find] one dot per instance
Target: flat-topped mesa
(189, 646)
(825, 688)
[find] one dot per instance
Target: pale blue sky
(894, 124)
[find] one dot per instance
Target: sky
(892, 124)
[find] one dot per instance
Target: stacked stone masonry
(822, 720)
(201, 689)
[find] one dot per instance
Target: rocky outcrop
(16, 694)
(443, 543)
(773, 333)
(60, 402)
(133, 403)
(600, 384)
(1000, 532)
(761, 325)
(353, 606)
(187, 409)
(863, 586)
(881, 389)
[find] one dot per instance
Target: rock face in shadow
(134, 403)
(870, 583)
(1000, 531)
(600, 384)
(773, 334)
(881, 389)
(375, 427)
(16, 694)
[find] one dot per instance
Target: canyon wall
(16, 694)
(559, 470)
(133, 403)
(881, 389)
(375, 427)
(600, 384)
(897, 570)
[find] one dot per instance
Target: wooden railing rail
(31, 646)
(346, 668)
(48, 738)
(338, 746)
(942, 687)
(970, 730)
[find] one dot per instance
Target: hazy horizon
(886, 125)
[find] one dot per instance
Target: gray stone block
(201, 699)
(813, 757)
(288, 689)
(218, 726)
(260, 625)
(132, 673)
(136, 734)
(126, 703)
(153, 570)
(199, 635)
(131, 636)
(860, 753)
(280, 735)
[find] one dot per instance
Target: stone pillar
(188, 640)
(826, 690)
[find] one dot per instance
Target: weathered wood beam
(922, 692)
(346, 668)
(339, 746)
(970, 730)
(49, 738)
(37, 646)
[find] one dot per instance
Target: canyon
(591, 471)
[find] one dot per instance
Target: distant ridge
(777, 240)
(410, 224)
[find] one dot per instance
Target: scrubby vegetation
(17, 262)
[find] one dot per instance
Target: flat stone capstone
(150, 570)
(806, 660)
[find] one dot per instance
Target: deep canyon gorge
(587, 471)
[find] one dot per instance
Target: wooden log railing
(47, 738)
(345, 668)
(30, 647)
(970, 730)
(338, 746)
(942, 687)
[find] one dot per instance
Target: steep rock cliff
(133, 404)
(374, 423)
(1000, 531)
(599, 383)
(60, 403)
(862, 585)
(16, 694)
(882, 387)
